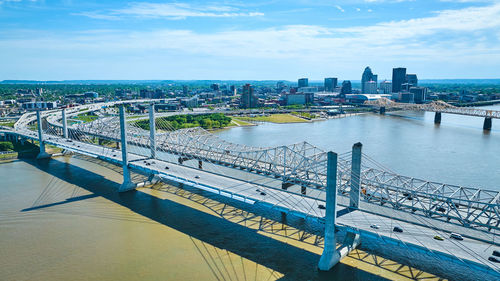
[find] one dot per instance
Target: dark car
(397, 229)
(493, 259)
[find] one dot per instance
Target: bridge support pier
(355, 175)
(303, 190)
(43, 154)
(127, 181)
(487, 124)
(181, 160)
(382, 110)
(152, 130)
(437, 118)
(65, 124)
(286, 185)
(330, 257)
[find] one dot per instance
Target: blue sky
(262, 40)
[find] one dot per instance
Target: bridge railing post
(330, 256)
(43, 153)
(64, 124)
(127, 182)
(152, 130)
(355, 175)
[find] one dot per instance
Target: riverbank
(278, 118)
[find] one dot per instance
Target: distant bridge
(438, 107)
(299, 179)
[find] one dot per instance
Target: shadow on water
(213, 232)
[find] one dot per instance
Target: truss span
(436, 106)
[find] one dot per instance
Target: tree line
(206, 121)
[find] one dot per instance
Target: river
(62, 219)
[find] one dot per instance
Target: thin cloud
(172, 11)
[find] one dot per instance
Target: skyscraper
(303, 82)
(412, 79)
(346, 88)
(398, 78)
(248, 99)
(330, 84)
(367, 77)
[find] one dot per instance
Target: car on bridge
(397, 229)
(437, 237)
(456, 236)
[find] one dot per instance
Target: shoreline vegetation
(274, 118)
(206, 121)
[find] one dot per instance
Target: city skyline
(282, 40)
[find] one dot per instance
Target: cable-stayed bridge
(348, 190)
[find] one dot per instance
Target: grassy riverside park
(275, 118)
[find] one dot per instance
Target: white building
(386, 87)
(370, 88)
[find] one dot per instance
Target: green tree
(6, 146)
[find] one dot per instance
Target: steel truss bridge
(438, 107)
(367, 185)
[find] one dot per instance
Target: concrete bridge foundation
(437, 118)
(487, 123)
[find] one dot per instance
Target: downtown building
(303, 82)
(346, 88)
(386, 87)
(366, 78)
(330, 84)
(398, 78)
(248, 98)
